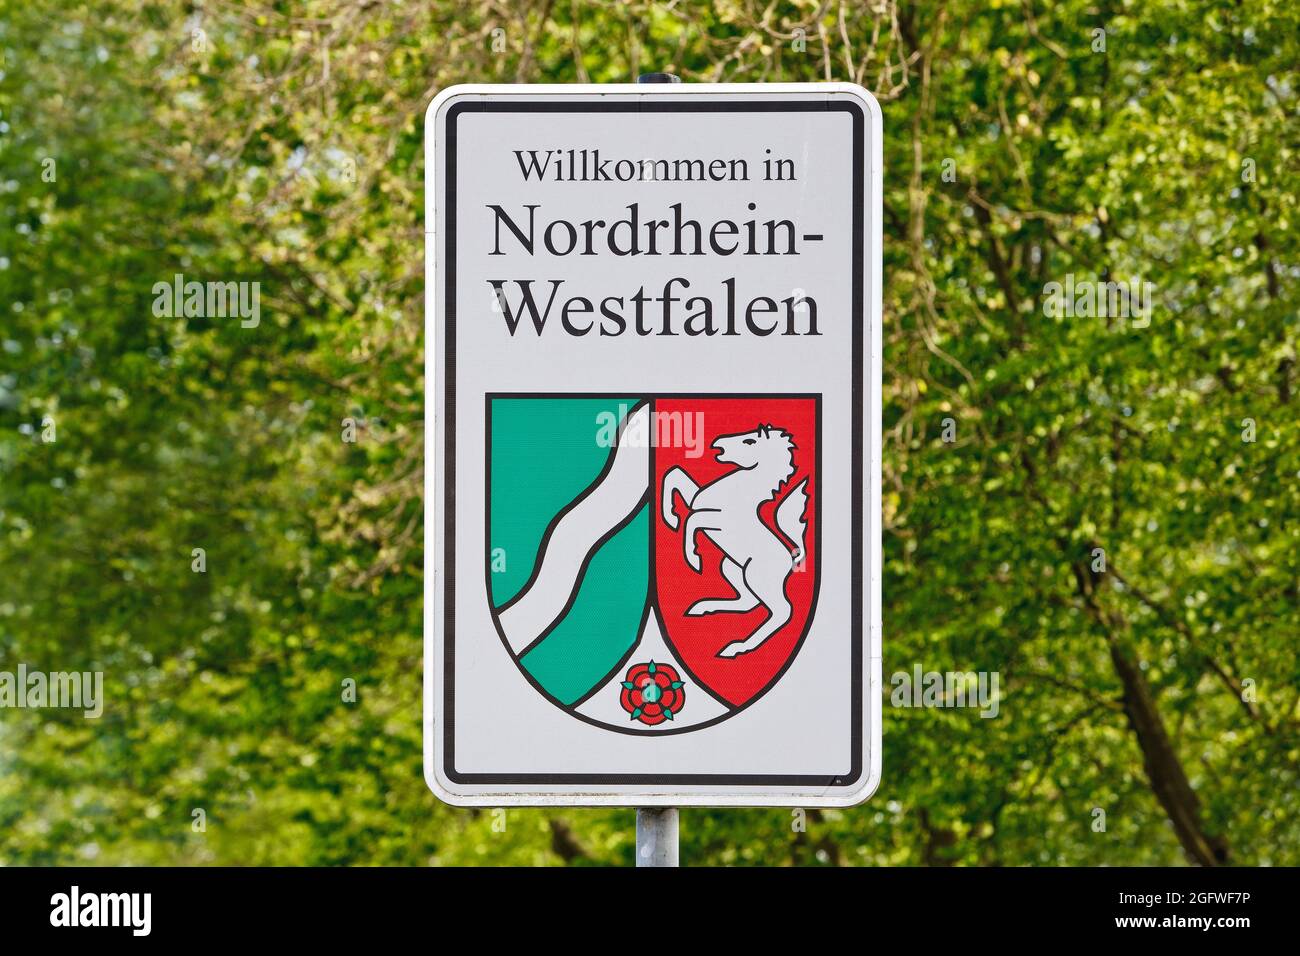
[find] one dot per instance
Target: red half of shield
(736, 554)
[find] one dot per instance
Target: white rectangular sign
(652, 536)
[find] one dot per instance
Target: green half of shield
(568, 537)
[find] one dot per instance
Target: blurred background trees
(1104, 513)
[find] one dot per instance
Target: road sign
(652, 535)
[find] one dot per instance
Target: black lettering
(791, 305)
(524, 240)
(768, 309)
(533, 166)
(580, 306)
(615, 317)
(727, 228)
(526, 299)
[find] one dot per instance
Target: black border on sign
(449, 445)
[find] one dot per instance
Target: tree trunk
(1164, 770)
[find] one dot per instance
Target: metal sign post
(656, 836)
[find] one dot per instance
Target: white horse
(756, 562)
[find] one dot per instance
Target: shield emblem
(652, 561)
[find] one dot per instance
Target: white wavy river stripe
(619, 493)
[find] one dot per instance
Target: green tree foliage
(1102, 510)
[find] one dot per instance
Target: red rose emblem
(652, 693)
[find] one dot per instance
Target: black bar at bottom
(332, 906)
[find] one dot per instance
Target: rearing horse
(756, 562)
